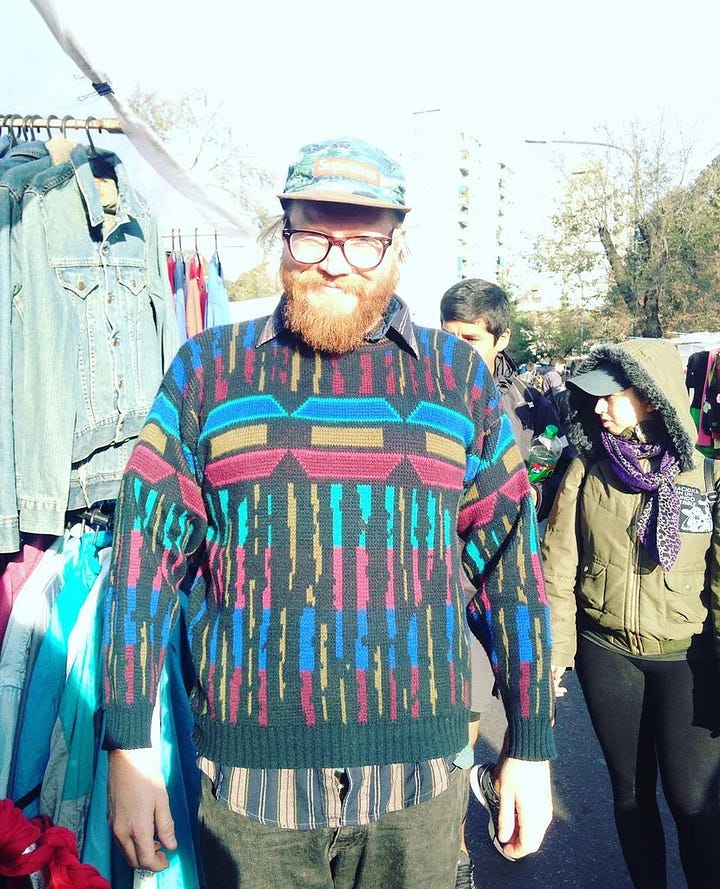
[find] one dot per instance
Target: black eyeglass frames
(363, 252)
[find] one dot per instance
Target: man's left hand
(525, 805)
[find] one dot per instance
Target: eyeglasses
(362, 252)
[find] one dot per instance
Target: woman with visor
(631, 558)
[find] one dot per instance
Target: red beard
(326, 327)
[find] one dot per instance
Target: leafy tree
(565, 332)
(637, 237)
(254, 283)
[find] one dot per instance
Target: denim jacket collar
(128, 203)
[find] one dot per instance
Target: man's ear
(400, 243)
(503, 340)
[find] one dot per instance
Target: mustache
(312, 278)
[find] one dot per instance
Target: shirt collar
(395, 323)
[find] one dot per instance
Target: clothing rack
(28, 123)
(100, 517)
(176, 233)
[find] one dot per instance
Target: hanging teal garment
(70, 773)
(26, 628)
(178, 762)
(44, 689)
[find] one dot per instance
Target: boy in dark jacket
(478, 312)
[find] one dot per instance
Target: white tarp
(57, 17)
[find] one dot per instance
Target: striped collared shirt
(397, 320)
(304, 799)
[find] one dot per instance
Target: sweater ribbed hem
(531, 739)
(328, 746)
(127, 728)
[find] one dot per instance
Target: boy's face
(480, 338)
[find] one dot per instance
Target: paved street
(581, 848)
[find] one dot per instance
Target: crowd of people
(337, 504)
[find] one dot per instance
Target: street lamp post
(579, 142)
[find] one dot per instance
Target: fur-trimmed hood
(654, 368)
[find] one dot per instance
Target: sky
(288, 73)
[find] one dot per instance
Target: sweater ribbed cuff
(531, 739)
(127, 728)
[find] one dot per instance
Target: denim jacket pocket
(79, 281)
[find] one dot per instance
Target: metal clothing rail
(24, 123)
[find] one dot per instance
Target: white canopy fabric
(225, 218)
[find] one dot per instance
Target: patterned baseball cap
(346, 171)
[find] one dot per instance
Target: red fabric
(171, 271)
(55, 852)
(16, 834)
(196, 298)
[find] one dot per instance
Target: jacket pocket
(685, 597)
(78, 281)
(593, 582)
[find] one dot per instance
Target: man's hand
(525, 805)
(139, 810)
(557, 674)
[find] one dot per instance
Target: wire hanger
(63, 125)
(48, 119)
(93, 152)
(28, 127)
(10, 124)
(217, 254)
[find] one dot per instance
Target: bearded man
(317, 466)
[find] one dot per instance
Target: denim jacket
(94, 328)
(18, 166)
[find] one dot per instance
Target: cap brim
(339, 197)
(598, 382)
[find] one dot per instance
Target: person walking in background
(527, 373)
(631, 558)
(556, 389)
(478, 312)
(318, 466)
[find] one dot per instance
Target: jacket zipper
(633, 608)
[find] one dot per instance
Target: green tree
(564, 332)
(694, 243)
(634, 233)
(254, 283)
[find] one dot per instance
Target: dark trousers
(659, 716)
(415, 848)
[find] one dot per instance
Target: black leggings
(653, 716)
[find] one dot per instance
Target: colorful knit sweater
(322, 497)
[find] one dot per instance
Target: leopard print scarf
(658, 527)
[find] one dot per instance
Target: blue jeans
(414, 848)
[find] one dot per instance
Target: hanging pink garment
(171, 270)
(705, 438)
(16, 571)
(194, 314)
